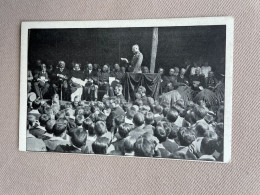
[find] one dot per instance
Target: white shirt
(205, 70)
(193, 69)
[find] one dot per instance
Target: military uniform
(137, 62)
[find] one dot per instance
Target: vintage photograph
(157, 88)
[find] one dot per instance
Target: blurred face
(176, 71)
(43, 67)
(146, 70)
(211, 74)
(123, 69)
(105, 68)
(182, 71)
(77, 67)
(76, 101)
(161, 71)
(135, 49)
(171, 73)
(55, 97)
(206, 64)
(39, 62)
(197, 71)
(90, 67)
(95, 66)
(117, 68)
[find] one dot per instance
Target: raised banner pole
(154, 49)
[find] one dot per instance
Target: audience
(143, 127)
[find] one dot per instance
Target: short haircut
(142, 89)
(115, 100)
(200, 112)
(138, 119)
(49, 126)
(174, 132)
(119, 120)
(149, 118)
(130, 114)
(60, 114)
(211, 134)
(48, 111)
(86, 123)
(138, 102)
(124, 129)
(129, 144)
(43, 119)
(55, 108)
(144, 147)
(79, 120)
(31, 119)
(79, 111)
(135, 108)
(100, 145)
(100, 128)
(157, 109)
(208, 146)
(59, 129)
(160, 133)
(201, 128)
(36, 104)
(172, 115)
(126, 106)
(165, 111)
(186, 136)
(78, 138)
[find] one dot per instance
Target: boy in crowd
(139, 125)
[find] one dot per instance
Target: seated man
(60, 79)
(117, 73)
(103, 79)
(211, 81)
(182, 78)
(197, 81)
(76, 82)
(205, 69)
(170, 82)
(29, 81)
(41, 82)
(91, 87)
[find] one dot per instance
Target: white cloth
(193, 69)
(78, 93)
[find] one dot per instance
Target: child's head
(208, 146)
(138, 102)
(172, 115)
(138, 119)
(119, 120)
(130, 114)
(201, 128)
(59, 129)
(124, 129)
(144, 147)
(49, 126)
(211, 134)
(79, 120)
(160, 133)
(100, 145)
(200, 112)
(60, 114)
(100, 128)
(78, 138)
(174, 132)
(149, 118)
(157, 109)
(129, 144)
(186, 136)
(36, 104)
(165, 111)
(43, 119)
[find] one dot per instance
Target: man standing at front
(137, 59)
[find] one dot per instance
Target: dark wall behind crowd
(99, 45)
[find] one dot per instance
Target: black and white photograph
(157, 88)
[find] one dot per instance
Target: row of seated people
(86, 83)
(141, 128)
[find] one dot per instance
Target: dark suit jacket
(116, 112)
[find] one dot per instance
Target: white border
(228, 21)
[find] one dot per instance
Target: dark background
(108, 45)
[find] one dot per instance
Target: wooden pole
(154, 49)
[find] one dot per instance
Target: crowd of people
(93, 117)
